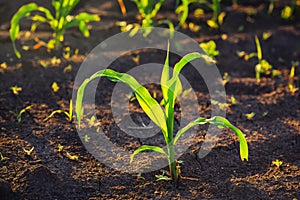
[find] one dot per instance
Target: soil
(273, 133)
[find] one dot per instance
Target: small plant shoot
(69, 113)
(59, 22)
(163, 117)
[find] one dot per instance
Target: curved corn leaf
(156, 8)
(14, 23)
(148, 104)
(83, 28)
(187, 127)
(47, 13)
(148, 148)
(220, 122)
(183, 10)
(86, 17)
(223, 122)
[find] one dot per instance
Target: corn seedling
(277, 163)
(250, 116)
(164, 118)
(215, 6)
(271, 7)
(69, 113)
(263, 66)
(28, 152)
(292, 86)
(15, 89)
(54, 87)
(59, 22)
(210, 48)
(19, 116)
(147, 9)
(226, 78)
(59, 148)
(72, 157)
(2, 158)
(288, 10)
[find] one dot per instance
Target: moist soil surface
(48, 173)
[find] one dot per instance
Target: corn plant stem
(172, 163)
(171, 149)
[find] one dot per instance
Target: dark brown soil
(272, 134)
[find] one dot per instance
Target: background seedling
(59, 22)
(292, 86)
(59, 148)
(2, 158)
(54, 87)
(277, 163)
(288, 10)
(271, 6)
(19, 116)
(15, 89)
(210, 48)
(28, 152)
(147, 9)
(72, 157)
(250, 115)
(164, 118)
(69, 113)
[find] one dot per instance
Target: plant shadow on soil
(272, 134)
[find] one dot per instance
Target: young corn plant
(59, 22)
(210, 48)
(164, 118)
(292, 86)
(263, 66)
(68, 114)
(147, 9)
(215, 5)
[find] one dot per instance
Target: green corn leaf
(222, 122)
(148, 148)
(85, 17)
(258, 48)
(183, 10)
(148, 104)
(14, 23)
(156, 8)
(165, 76)
(46, 12)
(53, 113)
(38, 18)
(83, 28)
(187, 127)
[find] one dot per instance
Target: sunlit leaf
(54, 87)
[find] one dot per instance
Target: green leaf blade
(223, 122)
(147, 148)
